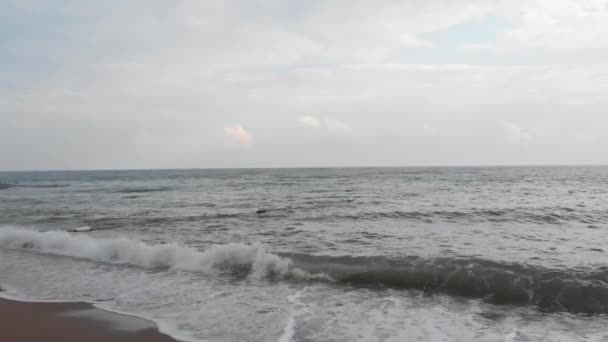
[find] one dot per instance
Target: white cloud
(427, 130)
(560, 24)
(337, 126)
(327, 123)
(239, 134)
(516, 134)
(179, 70)
(310, 121)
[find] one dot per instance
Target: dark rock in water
(80, 229)
(27, 245)
(4, 186)
(261, 211)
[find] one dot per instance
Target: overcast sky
(278, 83)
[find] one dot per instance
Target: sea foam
(254, 258)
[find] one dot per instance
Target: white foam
(164, 327)
(512, 336)
(137, 253)
(289, 330)
(300, 274)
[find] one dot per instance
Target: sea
(319, 254)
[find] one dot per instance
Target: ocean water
(352, 254)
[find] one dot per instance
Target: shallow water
(378, 254)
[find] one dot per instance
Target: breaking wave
(580, 290)
(254, 259)
(572, 290)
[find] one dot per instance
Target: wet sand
(72, 322)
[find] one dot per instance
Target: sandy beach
(33, 322)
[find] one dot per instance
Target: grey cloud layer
(291, 83)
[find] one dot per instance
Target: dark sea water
(352, 254)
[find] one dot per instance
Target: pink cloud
(239, 134)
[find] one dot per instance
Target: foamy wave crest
(254, 259)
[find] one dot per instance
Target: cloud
(239, 134)
(134, 81)
(337, 126)
(328, 124)
(516, 134)
(560, 25)
(310, 121)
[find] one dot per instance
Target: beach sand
(71, 322)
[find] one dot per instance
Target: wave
(43, 185)
(142, 220)
(143, 190)
(581, 290)
(118, 222)
(253, 259)
(571, 290)
(518, 215)
(4, 186)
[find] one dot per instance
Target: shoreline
(24, 321)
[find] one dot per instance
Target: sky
(267, 83)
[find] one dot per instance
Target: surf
(583, 290)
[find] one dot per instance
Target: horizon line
(306, 167)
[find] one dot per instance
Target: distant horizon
(307, 167)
